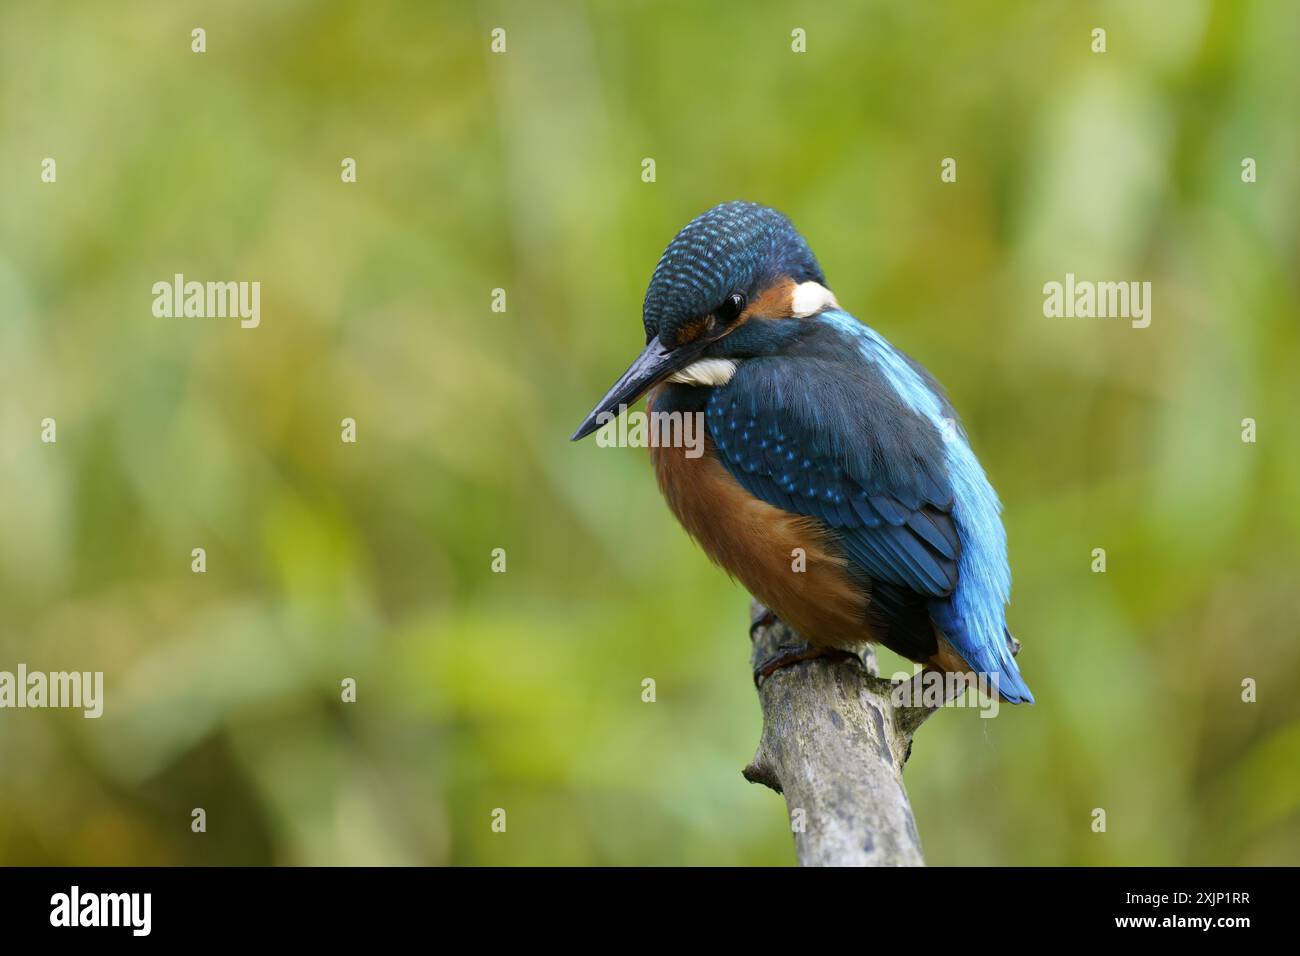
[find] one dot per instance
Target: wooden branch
(834, 744)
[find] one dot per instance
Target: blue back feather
(858, 441)
(974, 617)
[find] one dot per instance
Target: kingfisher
(836, 481)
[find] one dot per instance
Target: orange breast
(756, 543)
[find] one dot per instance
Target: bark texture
(834, 745)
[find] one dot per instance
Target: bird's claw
(787, 655)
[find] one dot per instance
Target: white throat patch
(809, 298)
(707, 372)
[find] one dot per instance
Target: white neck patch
(707, 372)
(809, 298)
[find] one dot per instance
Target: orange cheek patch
(775, 302)
(692, 330)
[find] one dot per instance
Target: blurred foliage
(522, 171)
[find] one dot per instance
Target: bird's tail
(995, 658)
(1011, 685)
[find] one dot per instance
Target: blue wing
(836, 441)
(852, 455)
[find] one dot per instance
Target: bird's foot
(777, 646)
(787, 655)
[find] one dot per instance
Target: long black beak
(652, 365)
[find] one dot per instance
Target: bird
(823, 440)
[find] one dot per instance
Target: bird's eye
(731, 308)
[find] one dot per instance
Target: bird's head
(716, 298)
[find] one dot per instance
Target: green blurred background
(522, 171)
